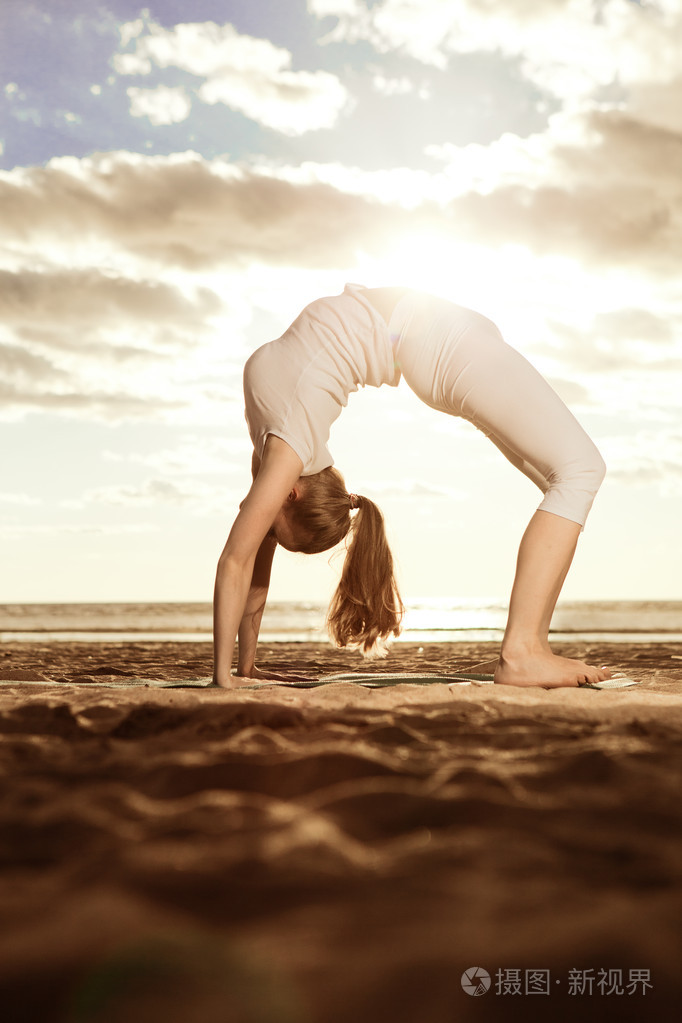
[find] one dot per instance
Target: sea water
(426, 620)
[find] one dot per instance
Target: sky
(177, 181)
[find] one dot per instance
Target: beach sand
(336, 854)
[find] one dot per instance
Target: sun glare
(500, 283)
(521, 291)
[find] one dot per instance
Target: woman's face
(282, 531)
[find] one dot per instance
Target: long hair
(366, 608)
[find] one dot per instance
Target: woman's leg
(545, 556)
(544, 441)
(471, 372)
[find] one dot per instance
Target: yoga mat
(378, 679)
(370, 680)
(112, 683)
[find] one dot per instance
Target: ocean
(428, 620)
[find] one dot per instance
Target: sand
(335, 854)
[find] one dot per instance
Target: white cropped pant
(457, 362)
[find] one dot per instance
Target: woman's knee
(573, 486)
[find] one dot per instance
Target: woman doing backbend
(456, 361)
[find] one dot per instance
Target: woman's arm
(249, 627)
(237, 566)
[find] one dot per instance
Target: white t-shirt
(296, 386)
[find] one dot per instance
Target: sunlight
(523, 292)
(501, 283)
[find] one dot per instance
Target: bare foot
(257, 675)
(543, 668)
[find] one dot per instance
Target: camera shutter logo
(475, 981)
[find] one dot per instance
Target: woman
(456, 361)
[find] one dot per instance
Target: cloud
(196, 496)
(572, 392)
(658, 103)
(411, 488)
(71, 301)
(622, 340)
(569, 48)
(402, 85)
(249, 75)
(598, 186)
(153, 491)
(19, 500)
(85, 342)
(17, 398)
(11, 530)
(650, 458)
(161, 105)
(292, 103)
(187, 212)
(16, 362)
(638, 325)
(202, 473)
(193, 455)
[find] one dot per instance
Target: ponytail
(366, 608)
